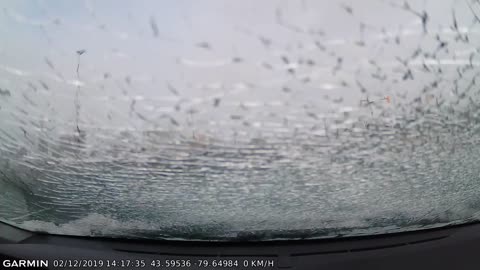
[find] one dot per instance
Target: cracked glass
(239, 120)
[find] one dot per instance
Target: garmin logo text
(24, 263)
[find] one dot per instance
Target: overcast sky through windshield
(254, 120)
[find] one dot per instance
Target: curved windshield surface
(250, 120)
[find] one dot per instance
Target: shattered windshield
(239, 120)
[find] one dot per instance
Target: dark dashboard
(454, 247)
